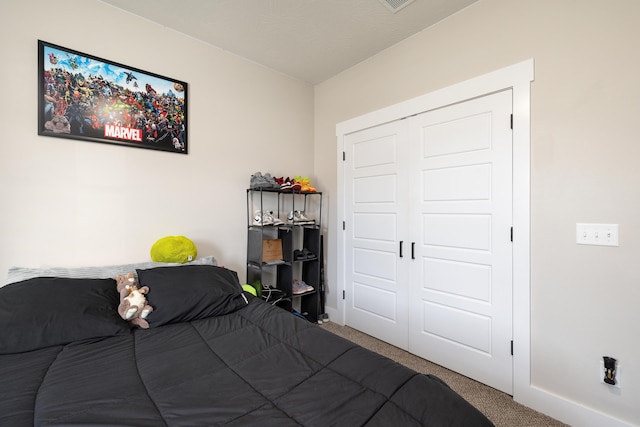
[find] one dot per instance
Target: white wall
(71, 203)
(584, 150)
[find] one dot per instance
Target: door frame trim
(518, 78)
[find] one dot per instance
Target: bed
(213, 355)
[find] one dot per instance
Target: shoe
(303, 255)
(271, 180)
(300, 287)
(305, 184)
(275, 219)
(308, 288)
(261, 218)
(295, 186)
(298, 218)
(309, 255)
(258, 181)
(297, 288)
(286, 185)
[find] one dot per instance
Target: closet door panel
(464, 279)
(376, 293)
(461, 284)
(457, 183)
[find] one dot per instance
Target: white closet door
(376, 287)
(461, 204)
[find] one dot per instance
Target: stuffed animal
(133, 304)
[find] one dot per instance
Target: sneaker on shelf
(308, 255)
(300, 287)
(299, 218)
(305, 184)
(258, 181)
(261, 218)
(303, 255)
(295, 185)
(296, 288)
(274, 219)
(285, 184)
(271, 180)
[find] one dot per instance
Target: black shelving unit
(295, 236)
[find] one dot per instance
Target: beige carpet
(497, 406)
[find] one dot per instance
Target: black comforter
(209, 358)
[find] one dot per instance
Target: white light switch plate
(597, 234)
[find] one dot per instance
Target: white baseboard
(566, 410)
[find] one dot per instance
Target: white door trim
(517, 77)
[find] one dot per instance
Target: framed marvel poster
(84, 97)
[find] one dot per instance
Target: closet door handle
(413, 250)
(401, 242)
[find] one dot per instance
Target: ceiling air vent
(396, 5)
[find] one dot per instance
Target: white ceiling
(311, 40)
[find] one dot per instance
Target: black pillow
(191, 292)
(46, 311)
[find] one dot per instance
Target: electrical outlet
(597, 234)
(601, 375)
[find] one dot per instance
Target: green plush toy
(173, 249)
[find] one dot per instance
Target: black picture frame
(83, 97)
